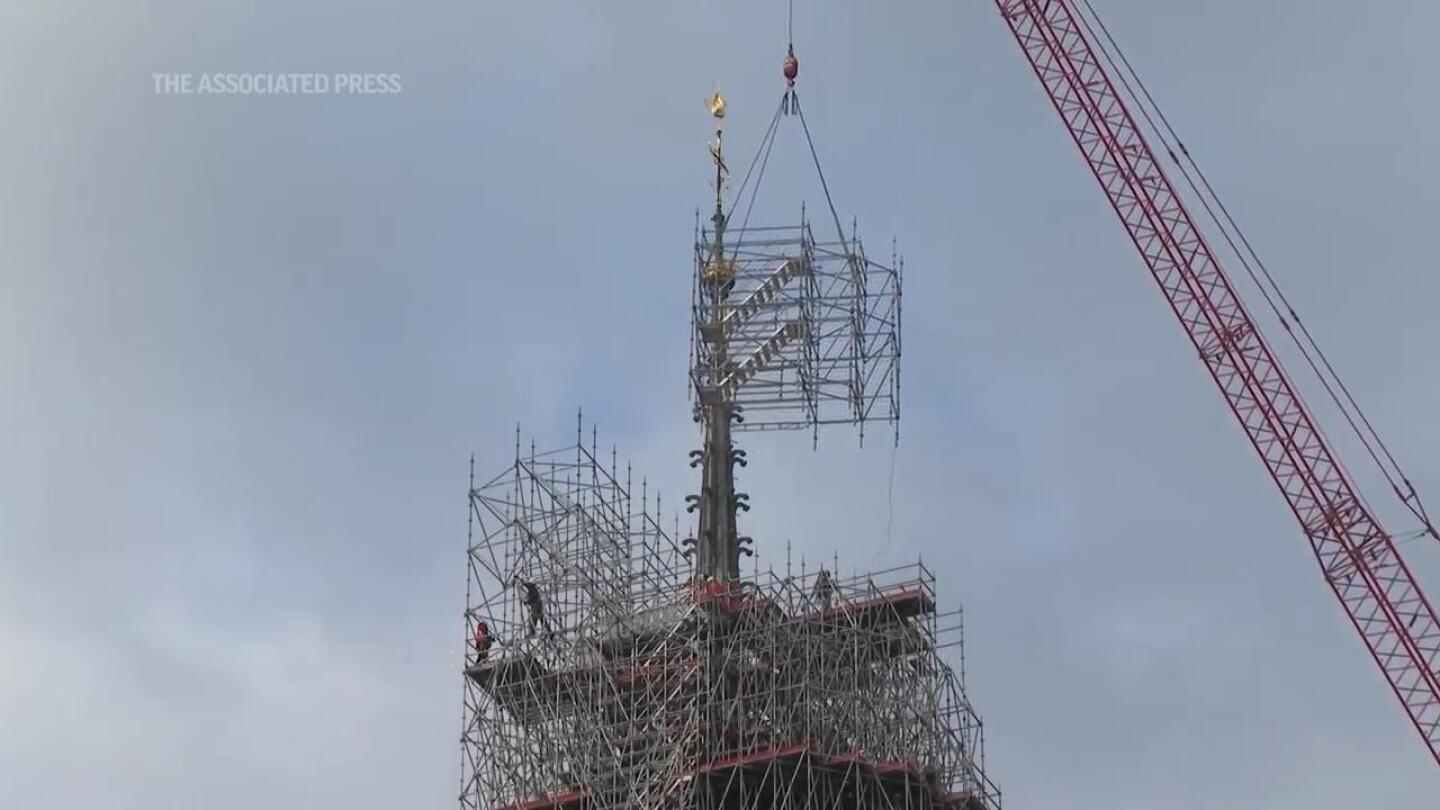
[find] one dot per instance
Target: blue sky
(248, 344)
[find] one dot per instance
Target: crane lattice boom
(1358, 557)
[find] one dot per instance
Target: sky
(248, 345)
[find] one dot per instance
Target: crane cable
(789, 105)
(791, 102)
(824, 186)
(761, 159)
(1259, 273)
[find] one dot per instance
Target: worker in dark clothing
(535, 608)
(483, 641)
(824, 589)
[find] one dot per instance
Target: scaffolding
(810, 328)
(613, 665)
(641, 685)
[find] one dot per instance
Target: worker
(483, 640)
(535, 608)
(824, 589)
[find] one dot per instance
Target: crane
(1097, 93)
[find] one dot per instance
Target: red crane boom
(1359, 558)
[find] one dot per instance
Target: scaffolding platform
(896, 606)
(792, 757)
(655, 689)
(557, 801)
(505, 669)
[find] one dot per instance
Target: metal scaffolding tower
(644, 686)
(787, 332)
(811, 327)
(614, 666)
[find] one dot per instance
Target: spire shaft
(717, 543)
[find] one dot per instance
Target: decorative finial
(716, 103)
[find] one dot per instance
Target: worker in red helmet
(483, 640)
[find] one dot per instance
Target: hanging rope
(889, 509)
(788, 103)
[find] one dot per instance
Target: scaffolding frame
(811, 329)
(646, 687)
